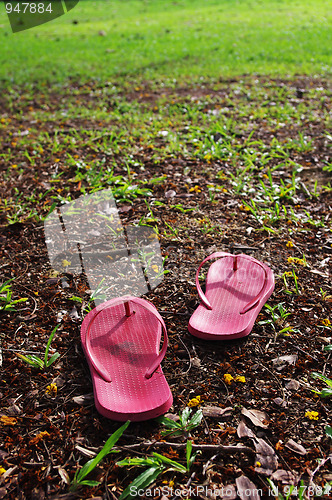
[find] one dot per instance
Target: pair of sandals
(121, 338)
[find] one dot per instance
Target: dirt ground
(265, 414)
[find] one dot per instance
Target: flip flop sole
(229, 292)
(125, 347)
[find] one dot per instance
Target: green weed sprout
(80, 475)
(156, 464)
(45, 363)
(6, 302)
(324, 393)
(184, 425)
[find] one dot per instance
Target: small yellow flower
(14, 144)
(288, 273)
(57, 160)
(195, 189)
(155, 268)
(289, 244)
(312, 415)
(208, 157)
(2, 471)
(51, 390)
(228, 378)
(3, 120)
(295, 260)
(196, 401)
(14, 166)
(326, 322)
(240, 378)
(8, 420)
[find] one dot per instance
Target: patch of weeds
(80, 475)
(292, 275)
(277, 321)
(184, 425)
(36, 361)
(326, 392)
(156, 464)
(97, 294)
(7, 303)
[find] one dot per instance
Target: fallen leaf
(216, 412)
(266, 457)
(244, 431)
(14, 410)
(281, 360)
(257, 417)
(84, 399)
(170, 194)
(297, 448)
(285, 476)
(292, 385)
(229, 492)
(246, 489)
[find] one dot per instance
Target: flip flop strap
(114, 302)
(220, 255)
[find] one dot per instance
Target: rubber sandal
(237, 287)
(121, 341)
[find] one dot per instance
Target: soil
(40, 432)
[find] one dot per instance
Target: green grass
(156, 39)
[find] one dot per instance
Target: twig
(186, 348)
(323, 462)
(220, 448)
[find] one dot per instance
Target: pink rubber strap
(221, 255)
(122, 300)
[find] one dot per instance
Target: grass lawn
(210, 124)
(159, 39)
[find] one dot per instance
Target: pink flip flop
(121, 341)
(237, 287)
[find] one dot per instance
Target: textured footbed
(228, 292)
(126, 347)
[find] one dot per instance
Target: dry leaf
(266, 457)
(257, 417)
(216, 412)
(288, 359)
(246, 489)
(84, 399)
(244, 431)
(170, 194)
(64, 476)
(229, 492)
(297, 448)
(285, 476)
(292, 385)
